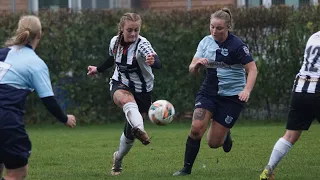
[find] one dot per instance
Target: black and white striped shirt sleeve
(145, 48)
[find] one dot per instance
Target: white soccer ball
(161, 112)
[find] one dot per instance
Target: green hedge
(72, 41)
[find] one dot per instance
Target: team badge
(246, 50)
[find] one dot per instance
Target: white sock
(280, 149)
(124, 147)
(133, 115)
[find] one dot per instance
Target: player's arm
(246, 59)
(198, 59)
(40, 81)
(53, 107)
(152, 59)
(251, 69)
(193, 67)
(196, 64)
(252, 72)
(109, 62)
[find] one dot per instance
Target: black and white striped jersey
(131, 68)
(308, 78)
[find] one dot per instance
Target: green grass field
(85, 153)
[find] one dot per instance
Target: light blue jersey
(226, 75)
(21, 72)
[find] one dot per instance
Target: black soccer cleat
(182, 172)
(227, 145)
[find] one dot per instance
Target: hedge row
(72, 41)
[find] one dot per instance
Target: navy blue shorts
(225, 109)
(15, 145)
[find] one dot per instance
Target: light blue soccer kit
(21, 72)
(225, 78)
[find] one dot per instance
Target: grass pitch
(85, 153)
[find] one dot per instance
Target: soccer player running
(131, 83)
(304, 104)
(22, 71)
(225, 89)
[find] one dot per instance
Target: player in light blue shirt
(225, 89)
(21, 72)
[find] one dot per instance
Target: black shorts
(304, 108)
(15, 145)
(225, 109)
(143, 99)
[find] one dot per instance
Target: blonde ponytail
(28, 29)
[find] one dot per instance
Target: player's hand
(71, 121)
(150, 59)
(244, 95)
(195, 66)
(92, 70)
(202, 61)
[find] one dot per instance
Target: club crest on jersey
(224, 52)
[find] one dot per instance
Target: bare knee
(292, 136)
(17, 174)
(15, 177)
(216, 135)
(215, 143)
(197, 130)
(199, 123)
(122, 97)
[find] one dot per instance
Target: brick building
(20, 5)
(35, 5)
(165, 4)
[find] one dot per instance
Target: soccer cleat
(182, 172)
(117, 165)
(267, 174)
(141, 135)
(227, 145)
